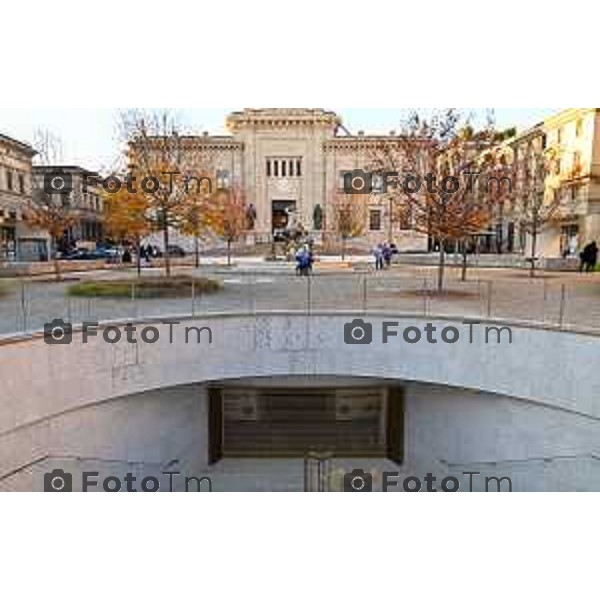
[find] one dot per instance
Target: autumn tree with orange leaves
(196, 214)
(446, 184)
(170, 171)
(54, 214)
(126, 219)
(349, 217)
(228, 216)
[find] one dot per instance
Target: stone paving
(572, 299)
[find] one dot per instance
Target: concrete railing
(43, 384)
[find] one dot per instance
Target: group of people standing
(147, 253)
(383, 253)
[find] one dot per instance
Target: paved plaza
(567, 299)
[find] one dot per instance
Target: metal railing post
(563, 297)
(193, 298)
(24, 305)
(133, 300)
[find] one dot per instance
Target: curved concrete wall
(43, 384)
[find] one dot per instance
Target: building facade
(575, 133)
(15, 192)
(289, 164)
(85, 199)
(556, 164)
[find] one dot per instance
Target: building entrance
(273, 423)
(282, 216)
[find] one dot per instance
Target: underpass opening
(295, 422)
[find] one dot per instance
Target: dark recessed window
(9, 180)
(268, 168)
(276, 168)
(284, 168)
(298, 168)
(375, 220)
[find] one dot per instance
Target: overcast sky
(89, 136)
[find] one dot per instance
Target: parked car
(79, 254)
(176, 251)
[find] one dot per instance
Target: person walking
(387, 255)
(378, 254)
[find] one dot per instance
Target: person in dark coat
(589, 257)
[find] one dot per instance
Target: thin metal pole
(133, 299)
(193, 297)
(24, 305)
(545, 300)
(563, 297)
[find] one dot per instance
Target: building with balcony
(15, 192)
(556, 166)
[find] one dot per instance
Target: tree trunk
(138, 259)
(166, 256)
(441, 266)
(343, 248)
(464, 263)
(534, 236)
(196, 251)
(228, 253)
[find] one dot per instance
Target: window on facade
(22, 183)
(223, 180)
(284, 167)
(405, 220)
(375, 220)
(377, 182)
(9, 180)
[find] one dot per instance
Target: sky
(89, 137)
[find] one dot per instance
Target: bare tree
(53, 214)
(538, 201)
(49, 147)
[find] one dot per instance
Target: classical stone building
(290, 164)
